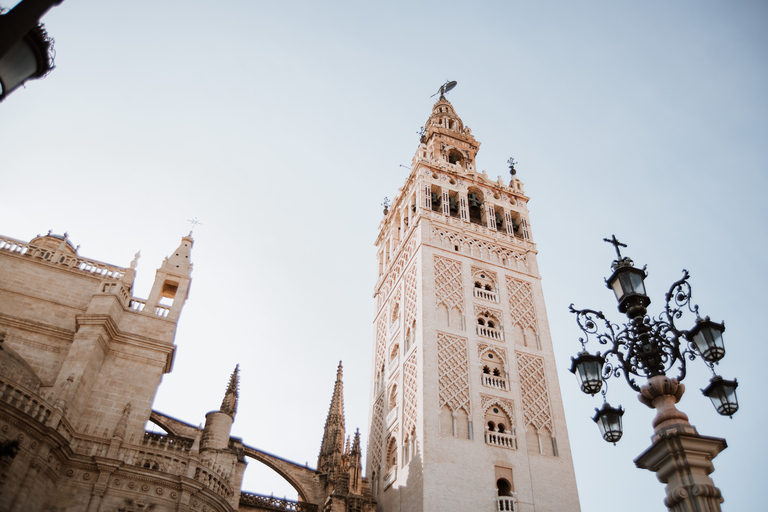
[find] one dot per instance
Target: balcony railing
(393, 327)
(391, 417)
(493, 381)
(391, 477)
(485, 294)
(501, 439)
(489, 332)
(506, 504)
(393, 365)
(277, 504)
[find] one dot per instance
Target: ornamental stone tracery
(521, 306)
(448, 287)
(514, 259)
(377, 433)
(453, 372)
(411, 295)
(533, 388)
(410, 385)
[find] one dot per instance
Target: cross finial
(616, 244)
(194, 223)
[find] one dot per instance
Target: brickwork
(478, 304)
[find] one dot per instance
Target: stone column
(680, 457)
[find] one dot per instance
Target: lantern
(609, 420)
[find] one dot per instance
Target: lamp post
(657, 350)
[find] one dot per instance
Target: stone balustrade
(480, 293)
(210, 477)
(493, 381)
(271, 503)
(25, 401)
(140, 305)
(502, 439)
(167, 441)
(74, 262)
(506, 504)
(488, 332)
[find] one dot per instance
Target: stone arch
(299, 477)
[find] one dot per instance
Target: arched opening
(504, 487)
(489, 326)
(499, 430)
(494, 372)
(455, 156)
(475, 200)
(436, 198)
(261, 480)
(453, 203)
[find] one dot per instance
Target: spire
(332, 447)
(356, 443)
(179, 263)
(229, 404)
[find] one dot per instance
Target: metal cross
(616, 244)
(194, 223)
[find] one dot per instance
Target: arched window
(476, 200)
(505, 501)
(455, 156)
(485, 286)
(494, 372)
(489, 326)
(498, 428)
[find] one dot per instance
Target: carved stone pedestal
(680, 457)
(683, 462)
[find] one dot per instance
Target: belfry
(465, 403)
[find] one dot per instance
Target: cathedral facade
(81, 359)
(465, 405)
(466, 411)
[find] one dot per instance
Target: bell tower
(466, 408)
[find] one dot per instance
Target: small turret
(172, 280)
(218, 424)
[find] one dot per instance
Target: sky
(282, 126)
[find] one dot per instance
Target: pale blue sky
(282, 125)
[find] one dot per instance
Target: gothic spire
(229, 404)
(332, 447)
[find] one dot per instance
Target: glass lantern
(708, 338)
(609, 420)
(588, 369)
(723, 395)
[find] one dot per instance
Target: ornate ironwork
(645, 346)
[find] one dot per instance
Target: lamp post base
(683, 461)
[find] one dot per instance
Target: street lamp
(26, 50)
(657, 350)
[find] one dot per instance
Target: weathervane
(447, 86)
(512, 165)
(194, 223)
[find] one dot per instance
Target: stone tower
(466, 409)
